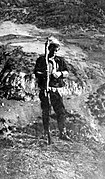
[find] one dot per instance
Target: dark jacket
(41, 75)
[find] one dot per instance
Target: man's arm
(64, 71)
(39, 69)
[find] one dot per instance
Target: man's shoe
(46, 138)
(65, 136)
(43, 140)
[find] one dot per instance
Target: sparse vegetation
(79, 25)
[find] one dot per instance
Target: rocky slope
(23, 154)
(17, 65)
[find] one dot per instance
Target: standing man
(57, 71)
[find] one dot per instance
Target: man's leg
(45, 110)
(58, 106)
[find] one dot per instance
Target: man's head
(54, 46)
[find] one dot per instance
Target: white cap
(53, 40)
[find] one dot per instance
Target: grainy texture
(81, 31)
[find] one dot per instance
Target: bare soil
(22, 153)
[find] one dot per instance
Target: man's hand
(57, 74)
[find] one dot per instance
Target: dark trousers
(58, 106)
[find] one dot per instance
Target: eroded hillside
(23, 154)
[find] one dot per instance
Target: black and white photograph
(52, 89)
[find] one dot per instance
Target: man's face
(53, 50)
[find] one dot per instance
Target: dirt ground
(22, 153)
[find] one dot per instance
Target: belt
(53, 89)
